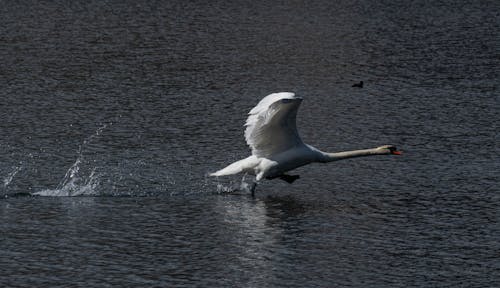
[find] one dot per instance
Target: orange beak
(396, 152)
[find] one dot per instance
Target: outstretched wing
(271, 125)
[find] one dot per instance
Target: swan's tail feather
(237, 167)
(234, 168)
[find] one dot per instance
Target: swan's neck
(329, 157)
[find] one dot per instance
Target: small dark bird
(359, 85)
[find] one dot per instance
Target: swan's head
(389, 149)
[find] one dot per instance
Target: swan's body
(271, 133)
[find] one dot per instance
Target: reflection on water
(273, 241)
(253, 239)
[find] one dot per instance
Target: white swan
(276, 146)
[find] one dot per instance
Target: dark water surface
(106, 100)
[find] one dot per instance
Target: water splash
(8, 179)
(75, 182)
(235, 187)
(75, 187)
(24, 166)
(226, 189)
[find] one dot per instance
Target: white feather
(271, 126)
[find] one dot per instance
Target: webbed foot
(289, 178)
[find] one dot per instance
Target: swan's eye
(284, 101)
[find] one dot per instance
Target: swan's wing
(270, 127)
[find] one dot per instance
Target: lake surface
(117, 110)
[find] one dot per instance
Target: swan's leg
(252, 188)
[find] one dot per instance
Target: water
(129, 106)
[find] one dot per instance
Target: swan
(272, 135)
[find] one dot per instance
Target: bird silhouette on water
(358, 85)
